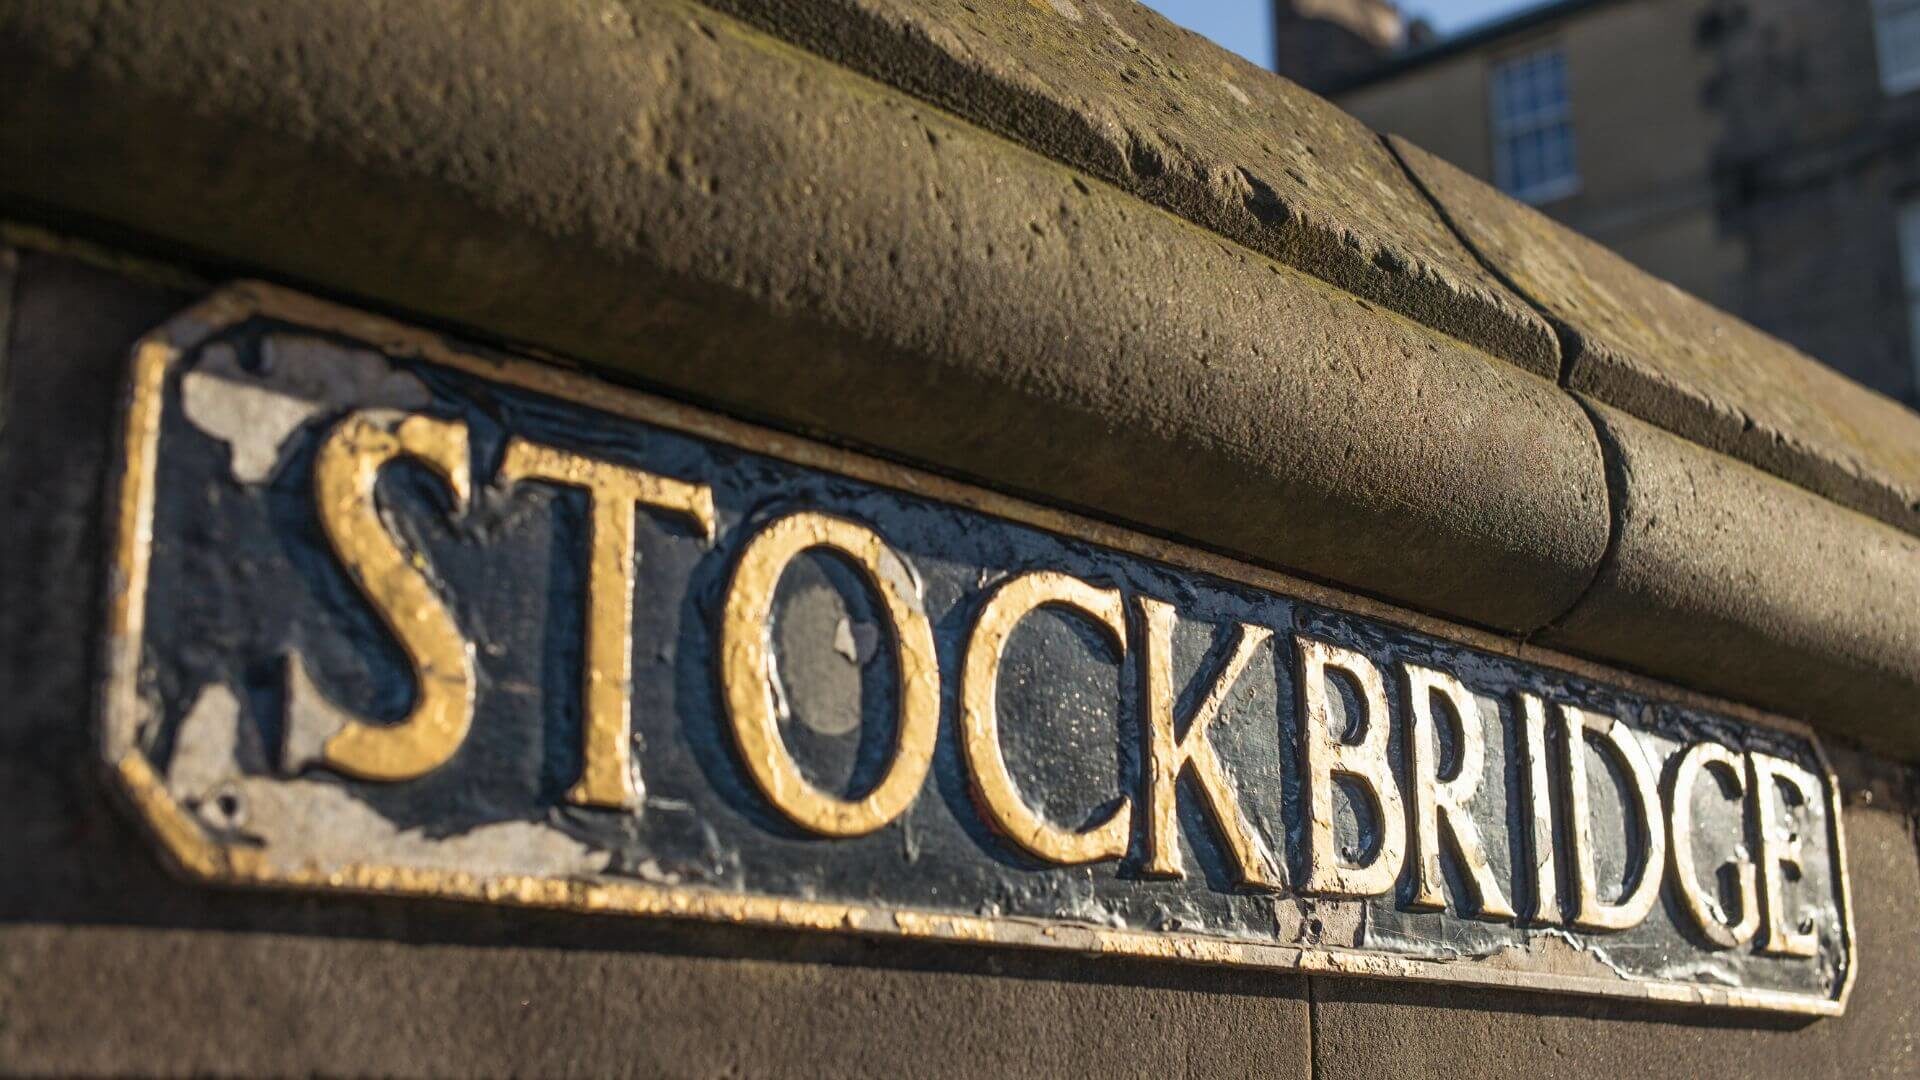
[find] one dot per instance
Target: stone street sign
(392, 617)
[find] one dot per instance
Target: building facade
(1321, 42)
(1761, 154)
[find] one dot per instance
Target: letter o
(994, 790)
(746, 672)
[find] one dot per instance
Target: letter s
(345, 472)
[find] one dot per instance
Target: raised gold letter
(1779, 849)
(1705, 908)
(993, 787)
(1546, 872)
(1436, 801)
(1329, 755)
(1590, 912)
(746, 674)
(1168, 757)
(613, 494)
(344, 476)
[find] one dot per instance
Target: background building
(1320, 43)
(1762, 154)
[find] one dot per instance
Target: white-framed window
(1896, 32)
(1533, 151)
(1910, 270)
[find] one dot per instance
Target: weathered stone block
(1738, 582)
(1645, 347)
(681, 199)
(1116, 90)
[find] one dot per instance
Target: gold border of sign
(199, 856)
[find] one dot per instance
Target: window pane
(1559, 151)
(1533, 140)
(1898, 34)
(1507, 87)
(1533, 157)
(1531, 88)
(1910, 246)
(1909, 232)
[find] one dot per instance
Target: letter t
(614, 493)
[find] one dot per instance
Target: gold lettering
(1590, 912)
(993, 787)
(1540, 848)
(1703, 907)
(747, 672)
(345, 473)
(1437, 802)
(1169, 757)
(1779, 850)
(613, 494)
(1328, 755)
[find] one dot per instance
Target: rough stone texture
(700, 208)
(1399, 1032)
(1737, 583)
(1642, 345)
(120, 1000)
(672, 195)
(108, 965)
(1109, 87)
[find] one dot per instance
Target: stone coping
(1118, 92)
(1750, 583)
(668, 194)
(1652, 350)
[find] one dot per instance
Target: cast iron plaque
(390, 615)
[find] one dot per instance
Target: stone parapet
(1747, 583)
(674, 197)
(109, 964)
(1117, 92)
(667, 194)
(1057, 249)
(1643, 346)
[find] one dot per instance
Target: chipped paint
(254, 410)
(211, 747)
(300, 824)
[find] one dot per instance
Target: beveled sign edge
(196, 856)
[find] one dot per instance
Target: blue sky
(1243, 25)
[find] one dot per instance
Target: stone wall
(1062, 250)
